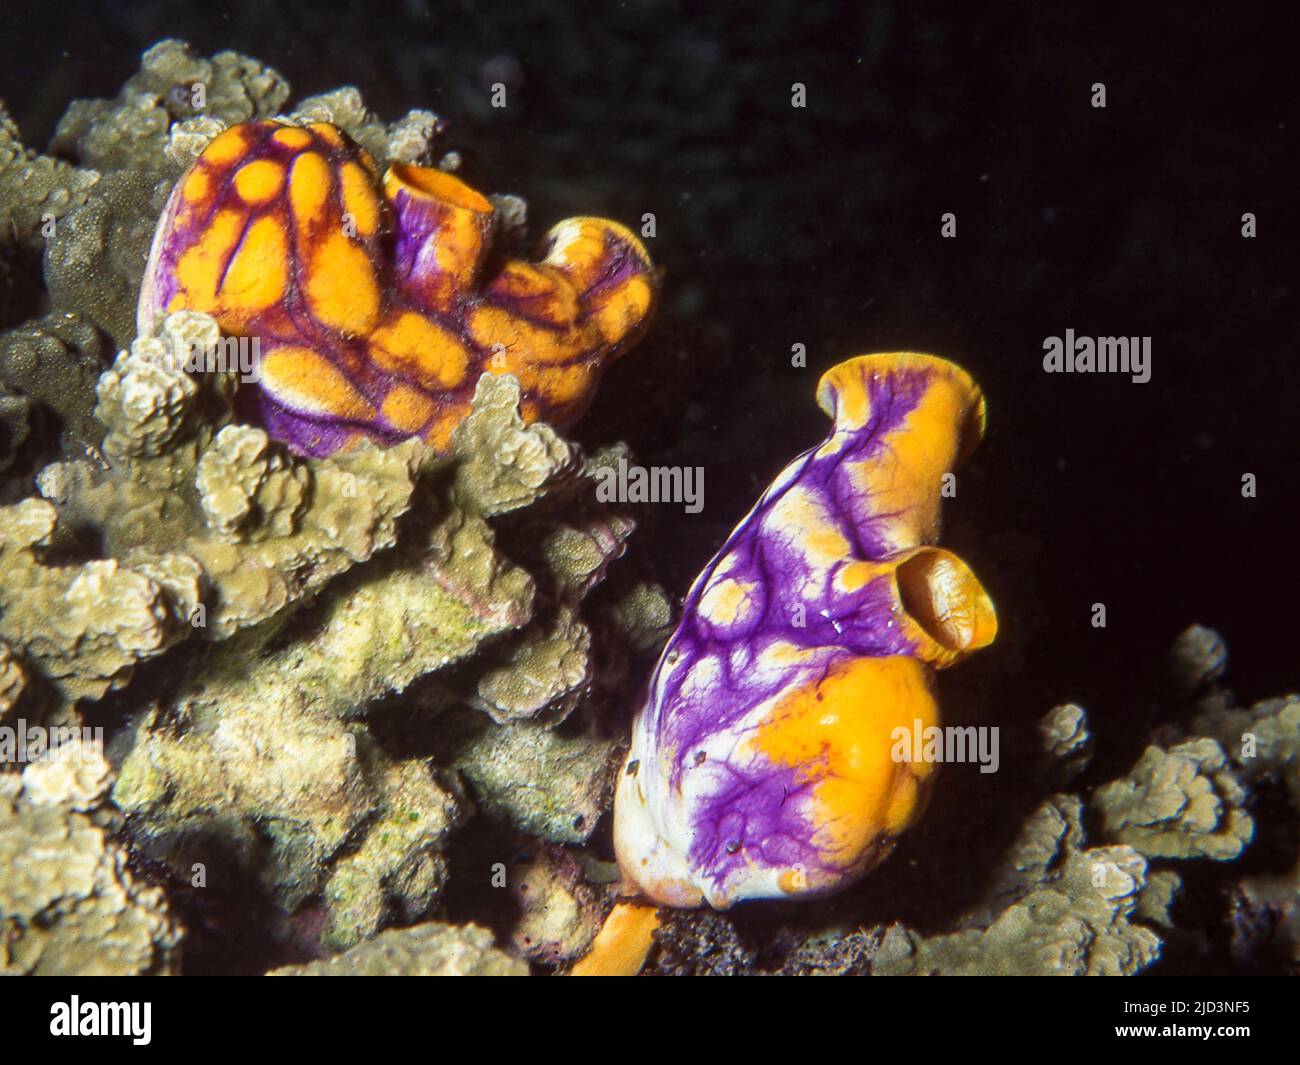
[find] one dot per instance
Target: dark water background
(821, 226)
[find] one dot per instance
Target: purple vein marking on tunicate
(759, 555)
(750, 816)
(175, 240)
(893, 398)
(620, 261)
(684, 726)
(230, 258)
(759, 824)
(416, 221)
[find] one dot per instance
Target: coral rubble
(424, 950)
(69, 904)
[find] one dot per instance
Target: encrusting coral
(342, 819)
(35, 190)
(54, 363)
(15, 423)
(1076, 911)
(558, 910)
(1179, 803)
(430, 949)
(69, 905)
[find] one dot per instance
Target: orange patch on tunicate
(368, 161)
(341, 286)
(581, 248)
(307, 381)
(309, 188)
(542, 290)
(623, 310)
(406, 408)
(561, 386)
(200, 268)
(556, 387)
(838, 734)
(847, 390)
(903, 480)
(292, 137)
(435, 184)
(524, 343)
(359, 199)
(905, 805)
(227, 147)
(530, 410)
(419, 346)
(331, 135)
(623, 943)
(811, 527)
(259, 182)
(792, 881)
(856, 575)
(197, 185)
(578, 249)
(724, 602)
(458, 247)
(259, 272)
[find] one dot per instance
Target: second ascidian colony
(762, 762)
(374, 299)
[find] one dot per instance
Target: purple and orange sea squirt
(762, 764)
(374, 301)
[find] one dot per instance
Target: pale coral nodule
(374, 300)
(762, 764)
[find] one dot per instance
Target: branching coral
(1078, 924)
(271, 774)
(205, 528)
(68, 903)
(341, 819)
(1179, 803)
